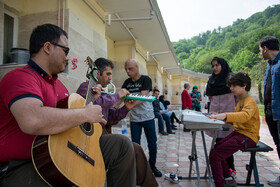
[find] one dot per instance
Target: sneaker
(230, 183)
(171, 132)
(233, 173)
(156, 172)
(274, 182)
(172, 177)
(163, 133)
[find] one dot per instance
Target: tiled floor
(174, 151)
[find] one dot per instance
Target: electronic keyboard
(197, 120)
(140, 97)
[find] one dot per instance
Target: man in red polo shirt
(28, 100)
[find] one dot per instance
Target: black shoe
(163, 133)
(180, 122)
(174, 127)
(186, 130)
(171, 132)
(156, 172)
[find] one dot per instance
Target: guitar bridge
(80, 152)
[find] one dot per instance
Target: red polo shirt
(27, 81)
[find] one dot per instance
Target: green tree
(244, 60)
(237, 43)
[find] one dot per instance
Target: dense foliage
(238, 44)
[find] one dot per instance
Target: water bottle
(124, 127)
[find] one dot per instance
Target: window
(10, 34)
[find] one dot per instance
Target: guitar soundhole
(87, 128)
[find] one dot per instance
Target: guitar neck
(90, 93)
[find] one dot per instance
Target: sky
(188, 18)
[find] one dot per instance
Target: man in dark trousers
(142, 115)
(28, 99)
(112, 114)
(269, 49)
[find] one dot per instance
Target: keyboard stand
(194, 158)
(196, 121)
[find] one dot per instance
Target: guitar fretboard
(140, 97)
(90, 94)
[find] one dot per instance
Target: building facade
(113, 29)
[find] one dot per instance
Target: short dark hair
(102, 63)
(270, 42)
(155, 90)
(42, 34)
(240, 79)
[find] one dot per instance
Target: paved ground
(174, 151)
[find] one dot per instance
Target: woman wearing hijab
(221, 98)
(171, 114)
(196, 98)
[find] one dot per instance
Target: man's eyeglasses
(66, 49)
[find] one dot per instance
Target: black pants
(274, 128)
(197, 109)
(119, 158)
(172, 117)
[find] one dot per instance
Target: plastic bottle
(124, 127)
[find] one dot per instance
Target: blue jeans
(162, 117)
(150, 132)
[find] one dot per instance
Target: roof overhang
(151, 34)
(194, 75)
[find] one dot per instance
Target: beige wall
(119, 52)
(110, 49)
(14, 4)
(83, 42)
(178, 86)
(85, 13)
(167, 86)
(86, 32)
(87, 38)
(155, 74)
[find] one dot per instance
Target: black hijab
(165, 103)
(161, 98)
(216, 84)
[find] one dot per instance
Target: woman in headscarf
(196, 98)
(171, 114)
(221, 98)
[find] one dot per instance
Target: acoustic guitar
(72, 158)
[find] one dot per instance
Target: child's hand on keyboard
(221, 116)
